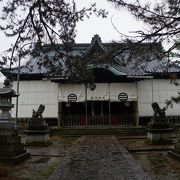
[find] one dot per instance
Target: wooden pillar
(136, 109)
(102, 109)
(92, 108)
(60, 118)
(136, 113)
(109, 107)
(86, 104)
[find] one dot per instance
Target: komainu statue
(159, 131)
(158, 112)
(38, 113)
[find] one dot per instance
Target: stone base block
(158, 126)
(38, 139)
(8, 150)
(9, 140)
(15, 159)
(11, 148)
(37, 124)
(159, 136)
(8, 132)
(7, 124)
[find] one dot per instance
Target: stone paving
(98, 158)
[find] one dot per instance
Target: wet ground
(41, 164)
(159, 165)
(154, 159)
(44, 161)
(99, 158)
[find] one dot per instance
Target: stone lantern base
(11, 149)
(159, 134)
(37, 133)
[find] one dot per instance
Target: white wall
(34, 93)
(157, 90)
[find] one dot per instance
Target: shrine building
(121, 94)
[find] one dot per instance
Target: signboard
(72, 98)
(123, 97)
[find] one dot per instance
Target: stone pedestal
(37, 132)
(11, 148)
(159, 133)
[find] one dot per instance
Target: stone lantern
(11, 148)
(6, 94)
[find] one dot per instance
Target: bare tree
(33, 23)
(162, 19)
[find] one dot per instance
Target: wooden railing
(98, 120)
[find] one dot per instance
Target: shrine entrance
(106, 104)
(98, 113)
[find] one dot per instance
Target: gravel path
(98, 158)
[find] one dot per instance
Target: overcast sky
(124, 22)
(122, 19)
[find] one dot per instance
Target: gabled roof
(96, 44)
(125, 62)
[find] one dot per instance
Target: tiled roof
(140, 65)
